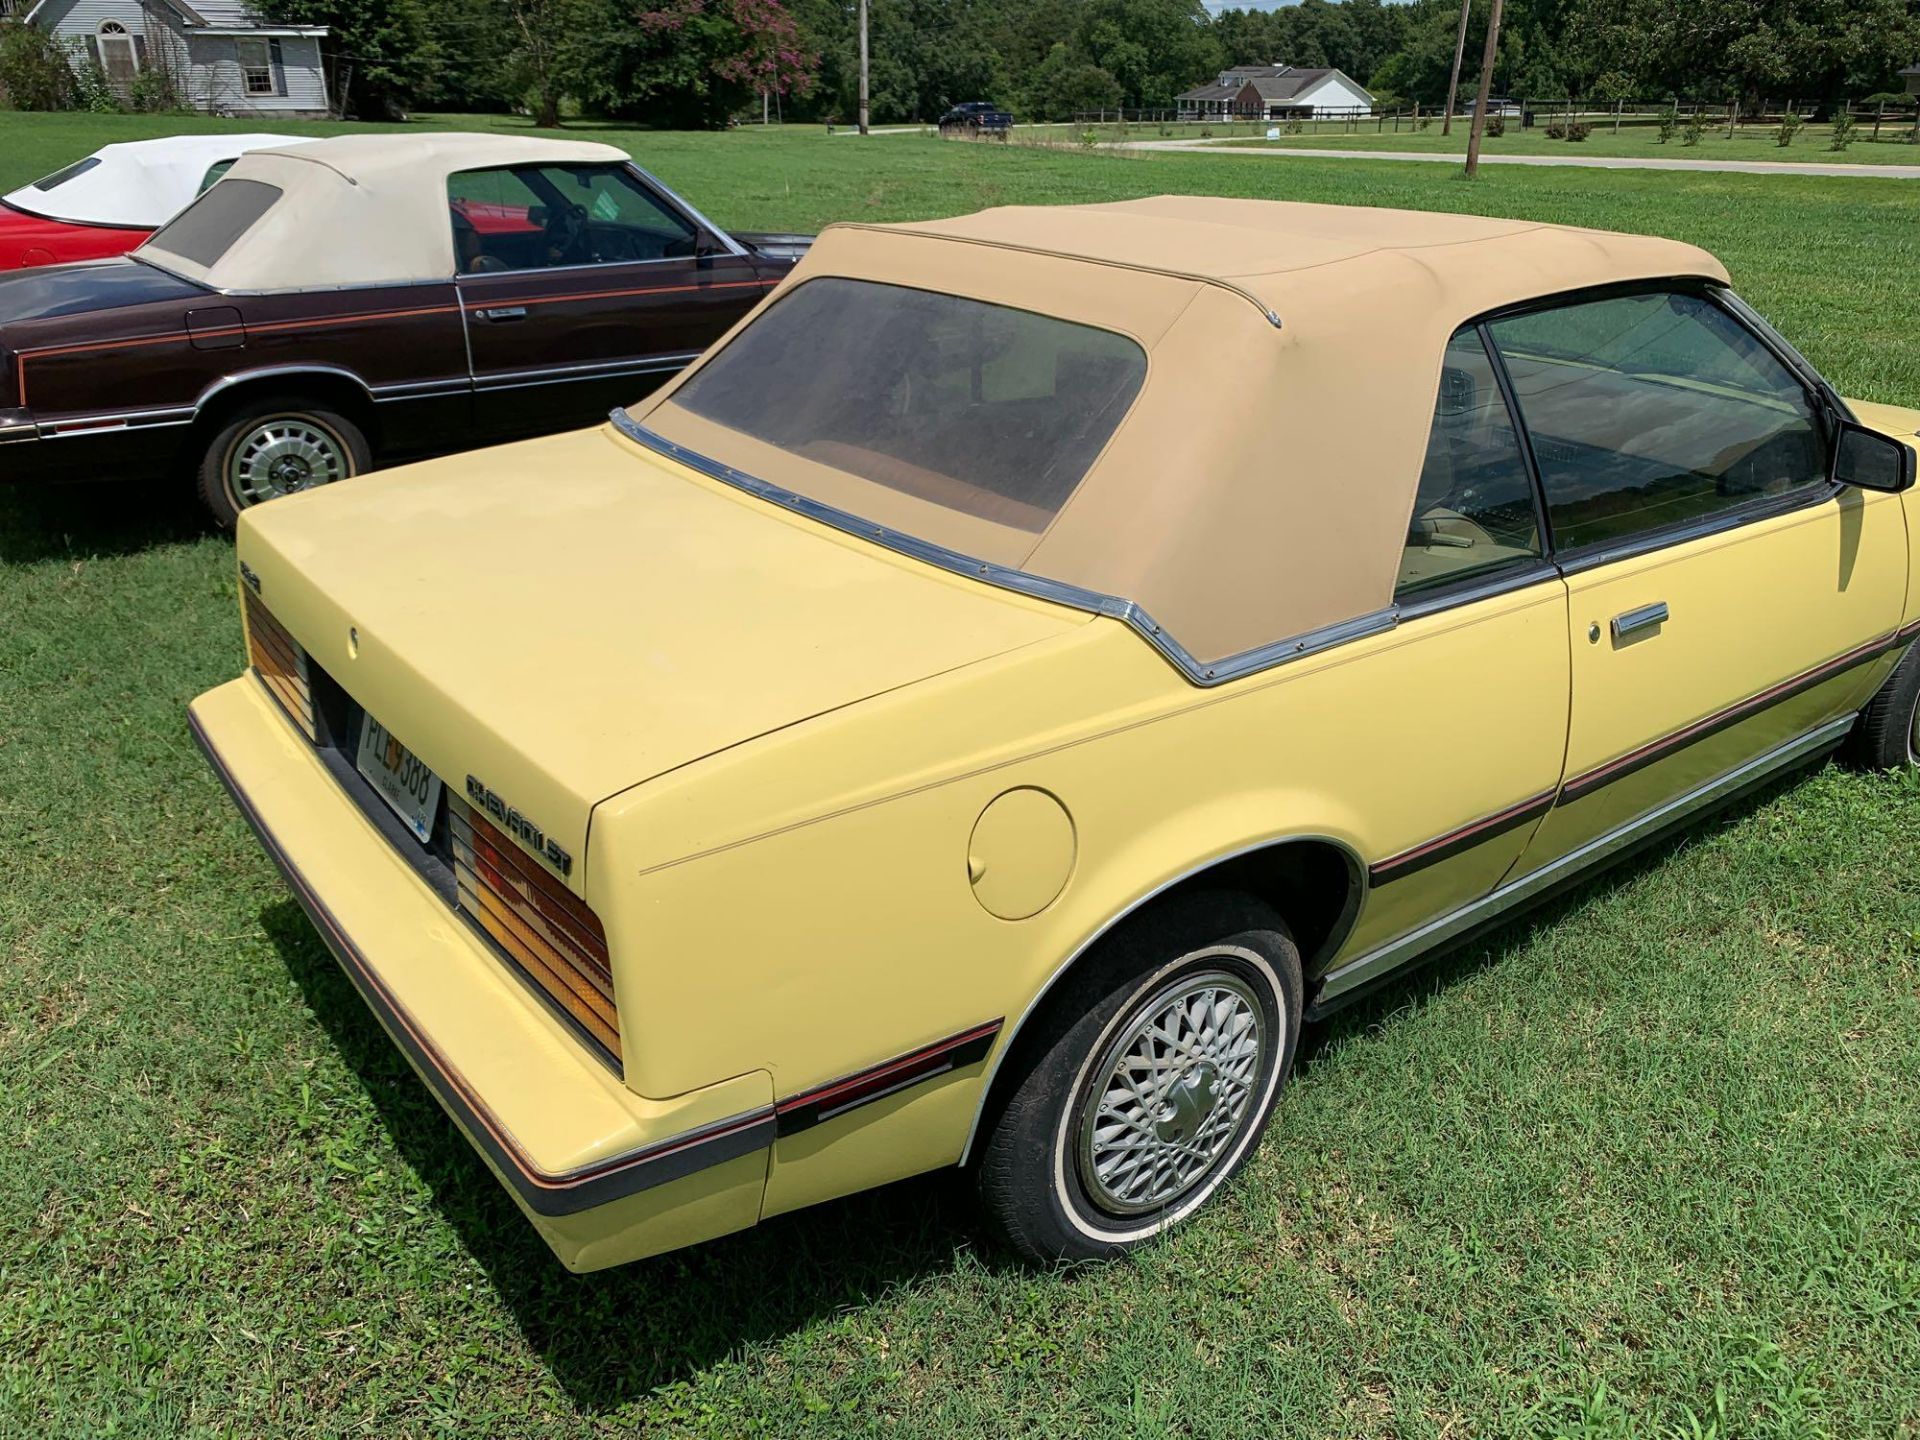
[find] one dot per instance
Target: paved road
(1590, 162)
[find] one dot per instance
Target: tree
(1154, 48)
(388, 45)
(685, 64)
(1064, 86)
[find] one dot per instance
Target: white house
(221, 56)
(1275, 92)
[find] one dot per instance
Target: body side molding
(1343, 983)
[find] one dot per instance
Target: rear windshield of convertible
(990, 411)
(207, 228)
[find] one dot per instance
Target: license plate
(412, 790)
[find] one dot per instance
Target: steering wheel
(565, 234)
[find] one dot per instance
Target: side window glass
(214, 172)
(534, 217)
(1473, 514)
(1648, 411)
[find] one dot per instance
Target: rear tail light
(280, 662)
(543, 927)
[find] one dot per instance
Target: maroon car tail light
(544, 928)
(280, 663)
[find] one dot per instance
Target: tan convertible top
(1261, 486)
(359, 209)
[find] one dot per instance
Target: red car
(111, 201)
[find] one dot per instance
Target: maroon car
(339, 304)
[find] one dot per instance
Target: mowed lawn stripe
(1643, 1164)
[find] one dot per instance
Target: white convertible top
(137, 183)
(354, 210)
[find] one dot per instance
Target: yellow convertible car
(1029, 665)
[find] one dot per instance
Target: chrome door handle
(1642, 617)
(505, 312)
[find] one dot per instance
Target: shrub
(1496, 127)
(1843, 127)
(1691, 135)
(1089, 137)
(1578, 130)
(1790, 124)
(34, 74)
(1556, 130)
(1295, 126)
(154, 92)
(1669, 122)
(1206, 132)
(91, 87)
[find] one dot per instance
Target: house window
(118, 55)
(256, 65)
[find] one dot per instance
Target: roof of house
(1270, 82)
(215, 16)
(359, 209)
(1325, 323)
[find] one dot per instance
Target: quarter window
(1474, 513)
(1652, 410)
(533, 217)
(207, 228)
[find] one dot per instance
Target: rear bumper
(604, 1175)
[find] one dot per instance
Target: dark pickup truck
(974, 118)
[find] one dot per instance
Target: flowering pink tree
(696, 61)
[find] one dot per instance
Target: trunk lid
(568, 617)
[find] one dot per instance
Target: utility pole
(863, 67)
(1459, 52)
(1486, 89)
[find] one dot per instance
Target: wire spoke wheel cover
(281, 454)
(1173, 1093)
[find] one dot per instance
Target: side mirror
(704, 250)
(1870, 460)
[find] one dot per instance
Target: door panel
(1478, 733)
(583, 287)
(573, 343)
(1771, 629)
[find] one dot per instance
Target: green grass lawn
(1633, 140)
(1647, 1164)
(1642, 142)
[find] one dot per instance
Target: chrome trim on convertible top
(1199, 672)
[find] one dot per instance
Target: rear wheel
(1144, 1084)
(271, 448)
(1887, 734)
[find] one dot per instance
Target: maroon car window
(205, 230)
(533, 217)
(980, 408)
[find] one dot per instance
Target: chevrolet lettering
(518, 826)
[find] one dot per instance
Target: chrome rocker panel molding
(1342, 982)
(1199, 672)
